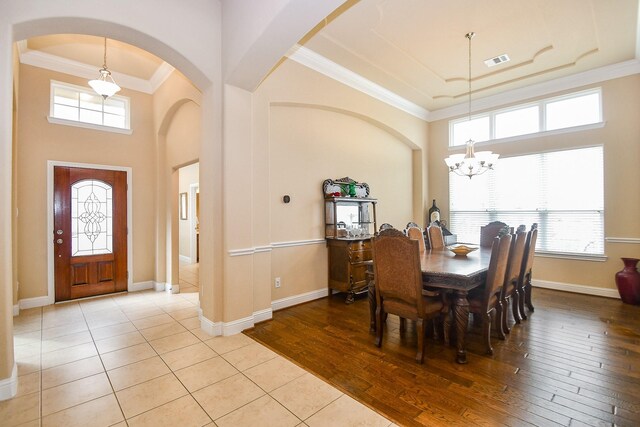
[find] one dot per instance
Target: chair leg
(500, 314)
(521, 298)
(505, 315)
(379, 325)
(515, 298)
(421, 340)
(528, 293)
(486, 332)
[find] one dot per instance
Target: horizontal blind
(562, 191)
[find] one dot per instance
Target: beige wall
(40, 141)
(188, 175)
(619, 136)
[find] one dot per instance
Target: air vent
(497, 60)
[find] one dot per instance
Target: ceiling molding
(85, 71)
(324, 66)
(573, 81)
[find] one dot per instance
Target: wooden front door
(90, 232)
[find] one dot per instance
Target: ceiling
(413, 51)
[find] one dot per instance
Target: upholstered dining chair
(414, 232)
(411, 224)
(436, 238)
(485, 301)
(489, 231)
(510, 289)
(524, 281)
(396, 264)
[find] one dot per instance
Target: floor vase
(628, 281)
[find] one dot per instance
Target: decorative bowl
(461, 249)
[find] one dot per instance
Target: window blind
(562, 191)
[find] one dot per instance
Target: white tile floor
(140, 359)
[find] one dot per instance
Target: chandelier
(471, 163)
(104, 84)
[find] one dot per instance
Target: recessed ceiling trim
(597, 75)
(86, 71)
(324, 66)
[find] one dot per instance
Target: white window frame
(542, 104)
(81, 89)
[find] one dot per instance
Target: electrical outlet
(277, 282)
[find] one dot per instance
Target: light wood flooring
(574, 362)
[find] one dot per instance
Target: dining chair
(386, 226)
(485, 300)
(489, 231)
(398, 278)
(414, 232)
(411, 224)
(510, 289)
(436, 238)
(524, 280)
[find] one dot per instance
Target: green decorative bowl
(461, 249)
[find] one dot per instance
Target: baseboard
(185, 258)
(237, 326)
(158, 286)
(141, 286)
(171, 289)
(578, 289)
(9, 386)
(299, 299)
(262, 315)
(16, 310)
(212, 328)
(35, 302)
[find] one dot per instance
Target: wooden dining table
(442, 269)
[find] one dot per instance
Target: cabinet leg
(350, 298)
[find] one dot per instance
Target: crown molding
(597, 75)
(85, 71)
(319, 63)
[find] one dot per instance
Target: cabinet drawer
(359, 256)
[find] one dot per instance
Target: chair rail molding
(274, 245)
(629, 240)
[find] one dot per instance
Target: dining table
(454, 274)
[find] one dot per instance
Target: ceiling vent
(497, 60)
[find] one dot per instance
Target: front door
(90, 232)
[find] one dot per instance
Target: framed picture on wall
(183, 205)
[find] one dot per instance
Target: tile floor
(140, 359)
(189, 277)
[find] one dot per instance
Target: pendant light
(104, 84)
(471, 163)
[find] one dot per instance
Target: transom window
(562, 191)
(567, 111)
(71, 103)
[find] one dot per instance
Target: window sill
(543, 134)
(572, 256)
(57, 121)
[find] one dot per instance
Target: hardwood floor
(574, 362)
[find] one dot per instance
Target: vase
(628, 281)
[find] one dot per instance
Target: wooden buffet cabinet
(350, 222)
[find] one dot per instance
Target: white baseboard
(298, 299)
(578, 289)
(16, 310)
(237, 326)
(185, 258)
(9, 386)
(35, 302)
(141, 286)
(212, 328)
(171, 289)
(262, 315)
(158, 286)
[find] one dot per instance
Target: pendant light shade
(471, 163)
(104, 85)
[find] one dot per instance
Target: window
(576, 109)
(81, 106)
(562, 191)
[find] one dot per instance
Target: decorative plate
(462, 250)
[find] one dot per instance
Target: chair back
(489, 231)
(514, 265)
(386, 226)
(529, 251)
(396, 265)
(416, 234)
(436, 239)
(497, 270)
(411, 224)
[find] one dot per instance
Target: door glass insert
(91, 218)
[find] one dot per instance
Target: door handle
(59, 241)
(59, 232)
